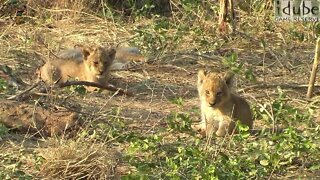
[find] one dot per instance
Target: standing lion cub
(94, 67)
(220, 108)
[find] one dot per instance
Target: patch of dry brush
(76, 160)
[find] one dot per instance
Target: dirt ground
(159, 81)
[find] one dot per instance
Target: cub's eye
(201, 81)
(219, 93)
(95, 63)
(207, 92)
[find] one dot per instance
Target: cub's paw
(221, 132)
(199, 128)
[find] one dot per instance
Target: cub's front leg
(201, 126)
(222, 128)
(207, 127)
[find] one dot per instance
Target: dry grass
(176, 52)
(76, 160)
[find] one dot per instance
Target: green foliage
(189, 6)
(10, 167)
(316, 29)
(178, 101)
(3, 85)
(238, 67)
(166, 34)
(17, 174)
(240, 156)
(106, 11)
(108, 128)
(297, 34)
(39, 160)
(139, 10)
(157, 37)
(151, 40)
(146, 8)
(3, 130)
(80, 89)
(281, 112)
(7, 70)
(179, 122)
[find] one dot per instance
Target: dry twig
(19, 95)
(314, 70)
(109, 87)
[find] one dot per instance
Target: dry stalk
(225, 6)
(314, 70)
(223, 11)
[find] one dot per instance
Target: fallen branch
(109, 87)
(21, 94)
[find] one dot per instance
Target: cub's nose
(212, 103)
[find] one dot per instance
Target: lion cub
(94, 67)
(123, 56)
(220, 108)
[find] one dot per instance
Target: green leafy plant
(10, 166)
(80, 89)
(3, 130)
(3, 85)
(238, 67)
(239, 156)
(179, 122)
(298, 34)
(280, 112)
(178, 101)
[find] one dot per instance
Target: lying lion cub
(94, 67)
(220, 108)
(123, 56)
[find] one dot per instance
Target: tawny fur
(123, 56)
(220, 108)
(95, 67)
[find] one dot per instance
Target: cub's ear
(228, 77)
(201, 75)
(86, 51)
(111, 53)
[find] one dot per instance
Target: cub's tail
(128, 54)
